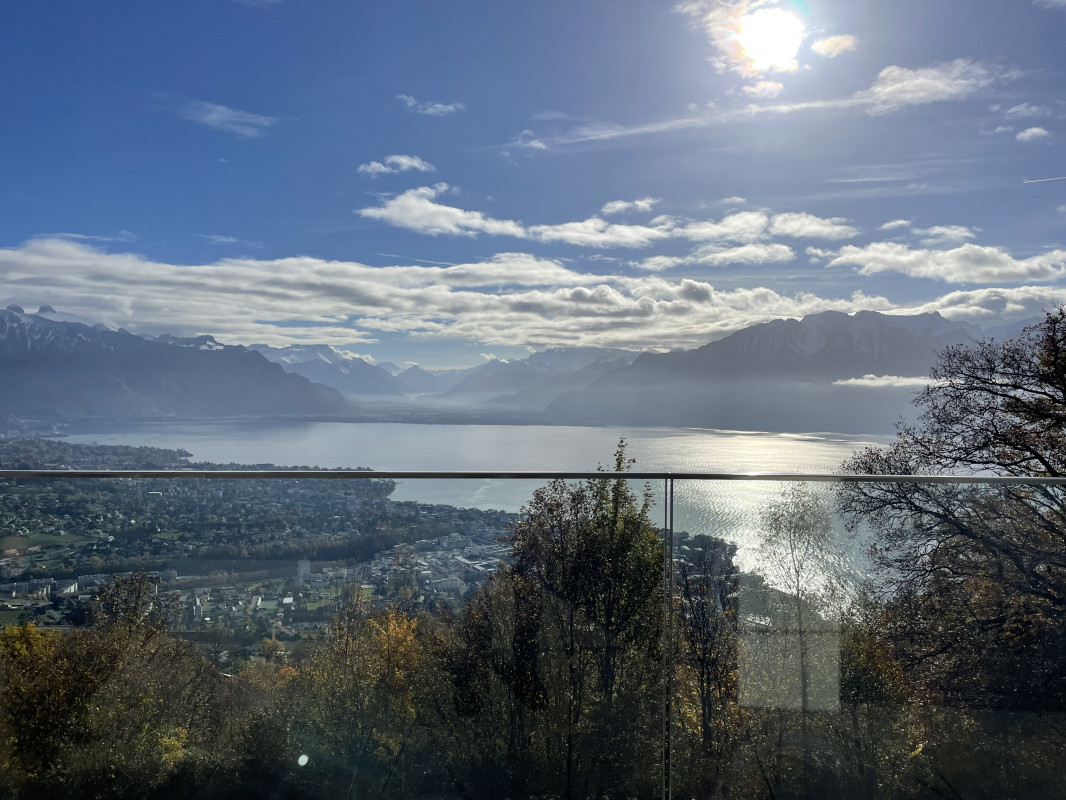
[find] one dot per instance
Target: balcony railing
(339, 633)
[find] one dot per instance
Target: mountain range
(67, 370)
(785, 375)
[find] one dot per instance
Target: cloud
(1032, 135)
(833, 46)
(121, 236)
(740, 226)
(745, 254)
(1050, 3)
(659, 263)
(899, 87)
(529, 140)
(218, 239)
(428, 107)
(749, 37)
(511, 298)
(764, 89)
(886, 381)
(969, 263)
(808, 226)
(596, 232)
(643, 204)
(895, 89)
(394, 164)
(242, 124)
(550, 116)
(895, 224)
(717, 256)
(732, 201)
(417, 210)
(1027, 111)
(945, 234)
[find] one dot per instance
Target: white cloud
(596, 232)
(969, 263)
(741, 226)
(1050, 3)
(215, 238)
(528, 140)
(659, 263)
(643, 204)
(1032, 134)
(1027, 111)
(896, 224)
(512, 298)
(428, 107)
(764, 89)
(945, 234)
(241, 124)
(886, 381)
(417, 210)
(1061, 209)
(899, 87)
(833, 46)
(732, 201)
(745, 254)
(808, 226)
(1004, 129)
(394, 164)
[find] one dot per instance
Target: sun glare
(770, 38)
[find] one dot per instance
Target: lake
(731, 510)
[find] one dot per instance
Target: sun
(770, 39)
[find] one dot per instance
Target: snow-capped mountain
(50, 368)
(341, 369)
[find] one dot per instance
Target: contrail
(1045, 180)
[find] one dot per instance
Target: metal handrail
(335, 474)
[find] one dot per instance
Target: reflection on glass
(323, 638)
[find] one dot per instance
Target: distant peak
(16, 309)
(46, 309)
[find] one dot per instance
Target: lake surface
(731, 510)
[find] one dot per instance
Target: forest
(593, 665)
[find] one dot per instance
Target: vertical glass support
(668, 636)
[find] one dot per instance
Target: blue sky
(436, 182)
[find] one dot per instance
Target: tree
(984, 566)
(568, 635)
(972, 577)
(707, 672)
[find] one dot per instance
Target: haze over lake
(727, 509)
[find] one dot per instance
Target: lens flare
(770, 39)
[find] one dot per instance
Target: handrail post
(668, 638)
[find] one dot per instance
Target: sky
(444, 182)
